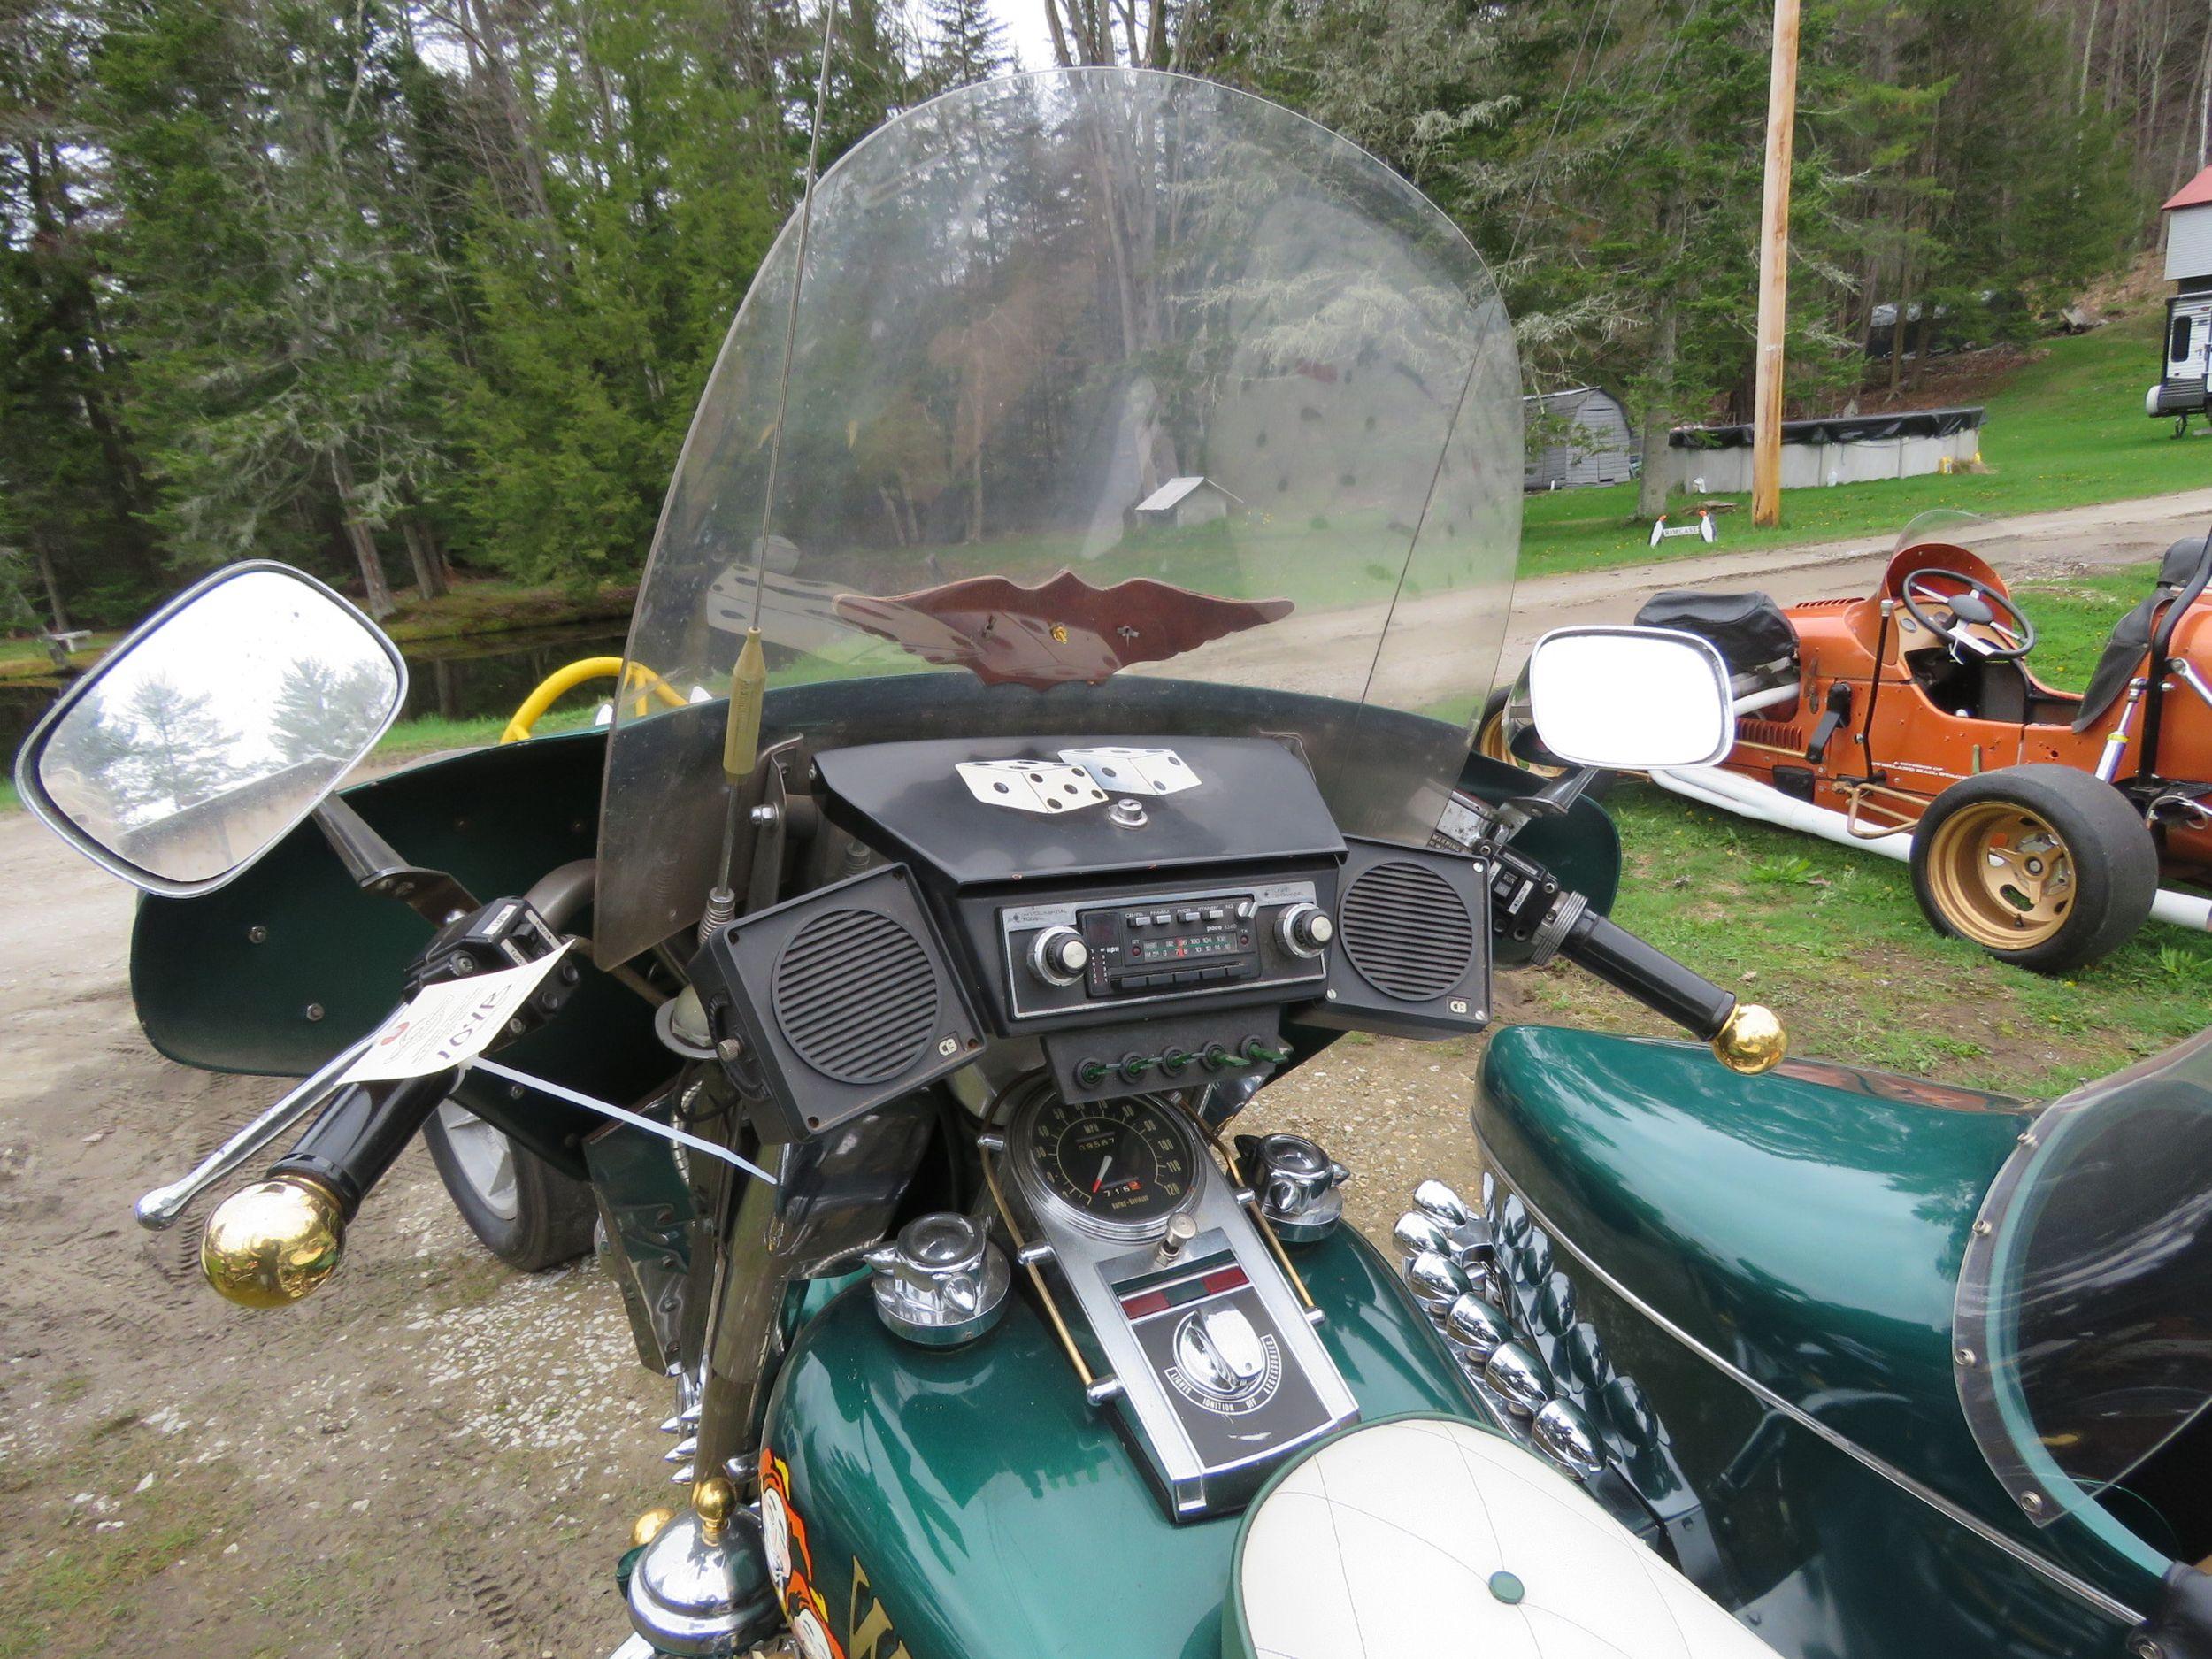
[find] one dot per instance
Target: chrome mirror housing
(197, 744)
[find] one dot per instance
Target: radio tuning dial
(1304, 929)
(1059, 956)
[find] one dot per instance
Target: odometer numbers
(1125, 1162)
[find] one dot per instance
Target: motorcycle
(1031, 745)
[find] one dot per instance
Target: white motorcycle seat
(1435, 1537)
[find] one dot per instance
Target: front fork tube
(744, 1333)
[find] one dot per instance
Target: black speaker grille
(1407, 932)
(856, 996)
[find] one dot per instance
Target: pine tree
(965, 43)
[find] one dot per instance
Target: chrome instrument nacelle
(1213, 1361)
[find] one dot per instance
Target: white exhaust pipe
(1730, 792)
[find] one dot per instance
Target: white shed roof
(1161, 499)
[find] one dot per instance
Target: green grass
(432, 734)
(2065, 431)
(1833, 942)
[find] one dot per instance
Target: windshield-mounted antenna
(748, 677)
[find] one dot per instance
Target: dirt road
(434, 1457)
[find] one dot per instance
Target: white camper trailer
(2181, 390)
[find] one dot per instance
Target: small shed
(2186, 353)
(1182, 503)
(1580, 438)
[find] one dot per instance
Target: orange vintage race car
(2043, 826)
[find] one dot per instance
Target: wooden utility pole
(1774, 269)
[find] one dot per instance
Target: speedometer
(1125, 1162)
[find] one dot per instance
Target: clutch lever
(160, 1209)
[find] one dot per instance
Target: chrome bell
(1517, 1376)
(1437, 1282)
(1417, 1231)
(942, 1282)
(1442, 1203)
(702, 1588)
(1564, 1433)
(1475, 1329)
(1430, 1226)
(1299, 1188)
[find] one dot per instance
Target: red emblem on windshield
(1061, 630)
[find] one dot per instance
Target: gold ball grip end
(1752, 1041)
(274, 1242)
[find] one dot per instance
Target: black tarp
(1912, 423)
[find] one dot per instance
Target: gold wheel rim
(2002, 875)
(1490, 743)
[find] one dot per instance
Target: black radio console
(1105, 953)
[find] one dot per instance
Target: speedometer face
(1122, 1161)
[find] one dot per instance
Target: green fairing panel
(997, 1516)
(1807, 1225)
(498, 819)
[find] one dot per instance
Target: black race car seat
(2182, 575)
(1748, 630)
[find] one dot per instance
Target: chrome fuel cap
(942, 1282)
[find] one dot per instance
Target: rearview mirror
(1630, 699)
(193, 745)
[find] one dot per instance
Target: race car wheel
(524, 1211)
(2042, 866)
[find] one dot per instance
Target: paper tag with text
(449, 1025)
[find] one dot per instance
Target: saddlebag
(1748, 630)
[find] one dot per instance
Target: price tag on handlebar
(448, 1024)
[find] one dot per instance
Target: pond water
(454, 678)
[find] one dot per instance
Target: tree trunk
(422, 552)
(375, 585)
(1658, 414)
(53, 589)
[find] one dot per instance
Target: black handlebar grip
(1649, 975)
(366, 1126)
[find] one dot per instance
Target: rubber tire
(553, 1213)
(2113, 890)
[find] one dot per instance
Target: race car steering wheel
(1980, 603)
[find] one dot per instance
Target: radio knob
(1304, 929)
(1059, 956)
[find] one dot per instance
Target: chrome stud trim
(1564, 1433)
(1443, 1203)
(683, 1451)
(1476, 1329)
(1519, 1378)
(681, 1477)
(1437, 1282)
(1417, 1231)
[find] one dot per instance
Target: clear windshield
(1109, 387)
(2086, 1307)
(1944, 527)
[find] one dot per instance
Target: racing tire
(1491, 745)
(522, 1209)
(2043, 867)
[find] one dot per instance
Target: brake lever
(159, 1210)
